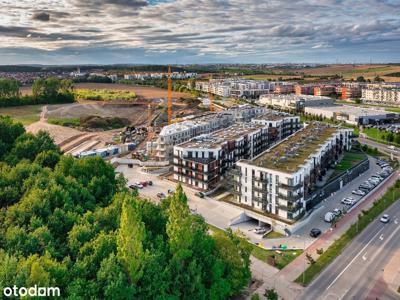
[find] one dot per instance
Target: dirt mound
(103, 123)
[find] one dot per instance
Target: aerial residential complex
(278, 181)
(295, 102)
(193, 126)
(239, 88)
(203, 161)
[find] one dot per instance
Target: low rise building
(277, 182)
(353, 115)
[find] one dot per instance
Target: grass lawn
(349, 160)
(273, 235)
(364, 219)
(282, 257)
(104, 95)
(376, 135)
(26, 114)
(67, 122)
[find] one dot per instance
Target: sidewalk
(295, 268)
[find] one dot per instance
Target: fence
(336, 184)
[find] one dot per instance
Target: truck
(329, 217)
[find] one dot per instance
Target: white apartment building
(385, 96)
(235, 87)
(295, 102)
(277, 182)
(180, 132)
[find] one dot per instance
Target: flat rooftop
(288, 155)
(293, 97)
(273, 116)
(192, 122)
(351, 110)
(217, 138)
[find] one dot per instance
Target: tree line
(72, 224)
(44, 91)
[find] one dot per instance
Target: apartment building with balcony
(281, 124)
(204, 160)
(180, 132)
(324, 90)
(177, 133)
(304, 89)
(277, 182)
(381, 95)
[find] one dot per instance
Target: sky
(199, 31)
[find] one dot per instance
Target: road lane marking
(359, 253)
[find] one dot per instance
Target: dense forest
(74, 225)
(44, 91)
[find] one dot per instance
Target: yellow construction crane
(169, 100)
(210, 95)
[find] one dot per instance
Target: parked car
(161, 195)
(337, 212)
(139, 185)
(329, 217)
(144, 183)
(170, 191)
(315, 232)
(385, 218)
(347, 201)
(358, 192)
(260, 230)
(150, 182)
(200, 194)
(133, 186)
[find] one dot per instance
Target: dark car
(200, 194)
(315, 232)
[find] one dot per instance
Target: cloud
(236, 30)
(41, 16)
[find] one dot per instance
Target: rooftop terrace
(217, 138)
(288, 155)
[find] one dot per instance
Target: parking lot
(301, 237)
(220, 213)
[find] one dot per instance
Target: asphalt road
(301, 237)
(354, 274)
(381, 147)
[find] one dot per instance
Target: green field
(350, 159)
(67, 122)
(376, 135)
(364, 219)
(104, 95)
(24, 114)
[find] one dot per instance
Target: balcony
(290, 187)
(290, 198)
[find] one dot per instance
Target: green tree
(271, 294)
(131, 235)
(390, 137)
(360, 79)
(9, 88)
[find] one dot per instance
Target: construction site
(144, 118)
